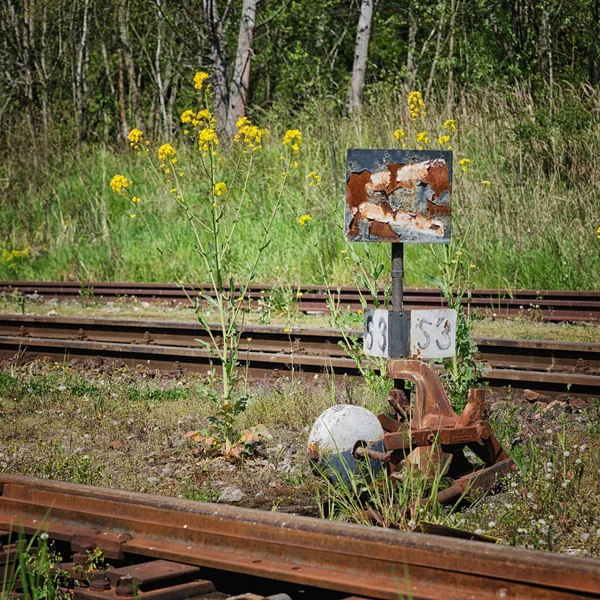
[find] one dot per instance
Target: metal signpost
(401, 196)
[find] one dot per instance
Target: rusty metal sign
(432, 333)
(398, 196)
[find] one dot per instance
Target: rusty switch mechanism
(430, 435)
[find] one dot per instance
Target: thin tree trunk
(124, 128)
(361, 51)
(218, 59)
(450, 94)
(240, 83)
(593, 51)
(123, 25)
(411, 73)
(438, 48)
(165, 125)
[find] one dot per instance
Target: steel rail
(541, 365)
(354, 559)
(549, 305)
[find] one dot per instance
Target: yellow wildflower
(453, 261)
(598, 232)
(359, 311)
(472, 266)
(118, 183)
(304, 219)
(203, 115)
(314, 178)
(135, 199)
(173, 191)
(187, 116)
(199, 79)
(293, 138)
(249, 134)
(400, 137)
(422, 139)
(287, 330)
(135, 137)
(464, 164)
(220, 188)
(451, 125)
(166, 152)
(205, 137)
(416, 105)
(486, 182)
(131, 216)
(443, 140)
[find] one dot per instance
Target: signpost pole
(398, 294)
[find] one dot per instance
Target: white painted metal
(432, 333)
(340, 427)
(375, 335)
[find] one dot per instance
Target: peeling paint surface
(398, 196)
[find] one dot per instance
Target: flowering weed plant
(214, 225)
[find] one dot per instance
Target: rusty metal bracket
(431, 436)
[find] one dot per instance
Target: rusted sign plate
(432, 333)
(398, 196)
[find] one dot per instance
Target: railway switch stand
(400, 196)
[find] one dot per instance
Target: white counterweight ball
(339, 428)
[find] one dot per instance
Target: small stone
(532, 396)
(579, 403)
(555, 408)
(111, 309)
(51, 313)
(145, 304)
(231, 494)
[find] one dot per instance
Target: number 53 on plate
(432, 333)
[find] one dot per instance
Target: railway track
(552, 367)
(219, 551)
(545, 305)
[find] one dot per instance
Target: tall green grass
(533, 227)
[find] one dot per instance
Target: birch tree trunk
(361, 51)
(593, 51)
(240, 83)
(411, 71)
(123, 25)
(218, 59)
(451, 32)
(165, 121)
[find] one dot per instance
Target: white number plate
(376, 338)
(432, 333)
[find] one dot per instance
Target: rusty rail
(539, 365)
(548, 305)
(354, 559)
